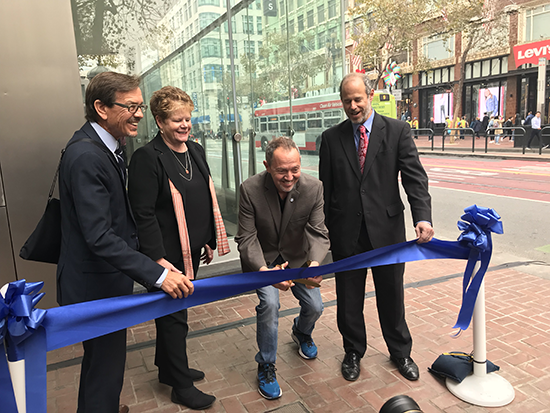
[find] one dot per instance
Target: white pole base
(489, 390)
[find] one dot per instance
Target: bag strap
(54, 182)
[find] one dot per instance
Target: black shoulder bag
(44, 244)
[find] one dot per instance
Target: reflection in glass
(287, 57)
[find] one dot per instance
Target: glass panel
(285, 81)
(495, 66)
(486, 68)
(437, 75)
(468, 71)
(504, 65)
(476, 69)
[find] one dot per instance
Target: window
(310, 19)
(437, 48)
(206, 18)
(300, 3)
(249, 46)
(248, 24)
(291, 26)
(236, 70)
(331, 9)
(258, 4)
(536, 23)
(321, 13)
(209, 3)
(259, 28)
(301, 23)
(228, 51)
(321, 40)
(282, 9)
(213, 73)
(476, 69)
(233, 25)
(211, 47)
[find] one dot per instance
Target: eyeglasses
(132, 108)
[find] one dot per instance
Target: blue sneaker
(306, 347)
(267, 380)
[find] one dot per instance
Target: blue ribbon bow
(18, 321)
(476, 234)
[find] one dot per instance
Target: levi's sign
(531, 52)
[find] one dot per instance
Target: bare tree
(385, 29)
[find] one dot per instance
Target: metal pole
(343, 34)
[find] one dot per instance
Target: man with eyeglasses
(99, 257)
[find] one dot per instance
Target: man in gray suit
(281, 225)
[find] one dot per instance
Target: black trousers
(350, 299)
(534, 132)
(171, 344)
(102, 373)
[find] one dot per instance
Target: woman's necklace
(188, 168)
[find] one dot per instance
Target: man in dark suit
(281, 223)
(99, 240)
(360, 162)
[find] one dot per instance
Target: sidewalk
(222, 343)
(463, 147)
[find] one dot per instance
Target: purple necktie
(363, 144)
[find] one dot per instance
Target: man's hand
(317, 279)
(424, 232)
(284, 285)
(177, 285)
(207, 255)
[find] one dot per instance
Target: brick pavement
(222, 343)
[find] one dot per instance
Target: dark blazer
(373, 196)
(99, 238)
(298, 234)
(150, 168)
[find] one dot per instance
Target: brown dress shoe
(123, 408)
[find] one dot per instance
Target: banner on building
(531, 52)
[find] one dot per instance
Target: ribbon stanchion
(62, 326)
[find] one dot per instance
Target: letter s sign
(270, 8)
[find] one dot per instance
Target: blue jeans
(267, 318)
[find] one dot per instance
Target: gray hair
(280, 142)
(362, 76)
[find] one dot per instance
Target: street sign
(398, 93)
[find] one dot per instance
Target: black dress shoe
(407, 367)
(196, 375)
(351, 366)
(192, 397)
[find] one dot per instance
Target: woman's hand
(207, 255)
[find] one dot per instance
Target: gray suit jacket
(298, 234)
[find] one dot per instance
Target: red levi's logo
(531, 52)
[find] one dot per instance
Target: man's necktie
(121, 160)
(363, 144)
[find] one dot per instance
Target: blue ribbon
(476, 235)
(63, 326)
(18, 321)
